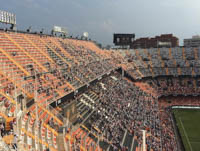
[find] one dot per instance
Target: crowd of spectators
(8, 137)
(175, 85)
(160, 62)
(169, 140)
(124, 107)
(72, 64)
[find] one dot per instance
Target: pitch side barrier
(185, 107)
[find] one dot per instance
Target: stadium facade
(193, 42)
(129, 41)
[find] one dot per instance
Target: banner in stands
(164, 44)
(8, 18)
(60, 29)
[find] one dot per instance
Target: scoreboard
(123, 39)
(8, 18)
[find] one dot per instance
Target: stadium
(59, 93)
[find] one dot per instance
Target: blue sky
(102, 18)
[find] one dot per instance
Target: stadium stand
(117, 94)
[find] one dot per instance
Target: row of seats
(177, 92)
(115, 110)
(175, 86)
(34, 54)
(160, 61)
(37, 70)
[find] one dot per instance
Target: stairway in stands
(87, 107)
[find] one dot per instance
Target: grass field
(188, 122)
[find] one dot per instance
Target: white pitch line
(185, 134)
(195, 142)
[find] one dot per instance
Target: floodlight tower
(8, 18)
(29, 29)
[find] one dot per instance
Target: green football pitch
(188, 122)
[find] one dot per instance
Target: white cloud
(31, 4)
(180, 3)
(108, 25)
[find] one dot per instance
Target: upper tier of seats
(61, 65)
(161, 61)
